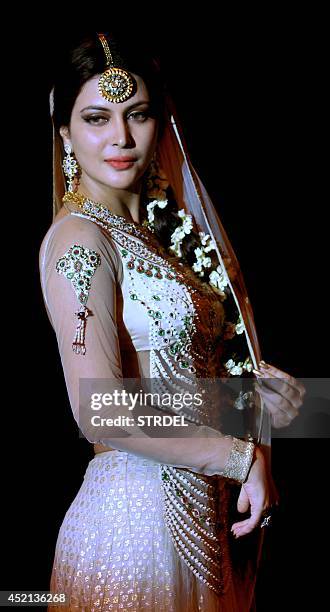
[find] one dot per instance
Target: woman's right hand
(255, 494)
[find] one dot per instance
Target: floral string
(234, 361)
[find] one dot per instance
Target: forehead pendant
(115, 84)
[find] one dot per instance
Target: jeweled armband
(78, 265)
(239, 461)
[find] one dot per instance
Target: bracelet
(239, 461)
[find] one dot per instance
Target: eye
(140, 116)
(99, 120)
(96, 119)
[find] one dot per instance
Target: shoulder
(68, 228)
(71, 230)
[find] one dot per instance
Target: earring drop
(70, 166)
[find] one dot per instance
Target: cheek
(148, 140)
(86, 142)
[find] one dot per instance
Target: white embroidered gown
(142, 533)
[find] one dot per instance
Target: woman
(141, 284)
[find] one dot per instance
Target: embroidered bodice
(160, 304)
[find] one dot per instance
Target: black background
(258, 143)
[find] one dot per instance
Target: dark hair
(84, 59)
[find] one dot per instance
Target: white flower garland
(180, 232)
(239, 327)
(217, 277)
(150, 209)
(202, 261)
(236, 369)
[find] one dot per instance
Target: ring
(266, 522)
(266, 517)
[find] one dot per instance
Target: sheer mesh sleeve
(79, 268)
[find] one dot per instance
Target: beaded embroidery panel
(78, 265)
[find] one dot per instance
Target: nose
(120, 134)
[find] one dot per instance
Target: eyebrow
(106, 108)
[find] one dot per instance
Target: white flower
(180, 232)
(248, 365)
(162, 203)
(217, 278)
(186, 221)
(151, 206)
(235, 369)
(201, 261)
(239, 326)
(207, 242)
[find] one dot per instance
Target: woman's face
(100, 130)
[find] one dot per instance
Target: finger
(279, 417)
(281, 385)
(258, 505)
(278, 421)
(244, 527)
(286, 399)
(276, 372)
(282, 388)
(276, 403)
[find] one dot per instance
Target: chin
(124, 180)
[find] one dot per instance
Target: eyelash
(93, 119)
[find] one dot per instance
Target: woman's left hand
(283, 394)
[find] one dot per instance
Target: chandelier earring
(71, 167)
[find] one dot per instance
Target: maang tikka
(115, 84)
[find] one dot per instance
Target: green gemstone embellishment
(184, 364)
(124, 252)
(133, 296)
(158, 315)
(174, 349)
(161, 332)
(182, 334)
(156, 297)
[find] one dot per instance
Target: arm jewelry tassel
(78, 345)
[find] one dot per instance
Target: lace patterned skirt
(114, 551)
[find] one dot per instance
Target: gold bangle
(239, 461)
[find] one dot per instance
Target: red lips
(125, 158)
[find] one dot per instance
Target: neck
(123, 202)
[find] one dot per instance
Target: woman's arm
(63, 270)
